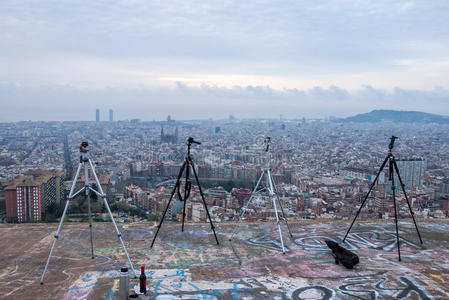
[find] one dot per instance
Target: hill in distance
(397, 116)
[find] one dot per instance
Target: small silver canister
(124, 284)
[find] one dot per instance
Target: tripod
(86, 162)
(392, 167)
(273, 194)
(186, 166)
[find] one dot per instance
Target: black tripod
(393, 167)
(188, 163)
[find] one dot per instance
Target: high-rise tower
(111, 115)
(412, 172)
(97, 115)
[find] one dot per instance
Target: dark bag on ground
(343, 256)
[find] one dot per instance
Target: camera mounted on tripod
(187, 167)
(191, 141)
(392, 139)
(267, 142)
(188, 184)
(393, 168)
(83, 147)
(83, 151)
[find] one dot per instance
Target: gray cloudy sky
(61, 59)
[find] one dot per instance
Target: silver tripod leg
(284, 216)
(119, 235)
(87, 191)
(90, 224)
(246, 206)
(62, 220)
(272, 195)
(111, 216)
(54, 241)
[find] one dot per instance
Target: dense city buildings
(322, 169)
(169, 138)
(412, 172)
(2, 202)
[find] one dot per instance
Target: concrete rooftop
(190, 265)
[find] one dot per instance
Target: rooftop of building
(189, 264)
(33, 178)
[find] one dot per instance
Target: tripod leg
(204, 200)
(111, 216)
(169, 201)
(183, 215)
(366, 197)
(272, 195)
(278, 223)
(74, 181)
(284, 216)
(246, 206)
(395, 209)
(86, 195)
(406, 198)
(90, 223)
(119, 235)
(56, 238)
(186, 192)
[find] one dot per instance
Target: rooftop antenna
(86, 162)
(392, 167)
(269, 189)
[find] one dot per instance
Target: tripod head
(267, 142)
(83, 151)
(83, 147)
(392, 139)
(191, 141)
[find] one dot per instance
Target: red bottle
(143, 280)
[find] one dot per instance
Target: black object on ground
(342, 255)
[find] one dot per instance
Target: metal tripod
(86, 162)
(392, 167)
(186, 166)
(270, 188)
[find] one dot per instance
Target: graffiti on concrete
(376, 239)
(177, 284)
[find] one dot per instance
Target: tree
(52, 212)
(154, 217)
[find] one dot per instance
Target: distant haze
(60, 60)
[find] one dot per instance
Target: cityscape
(224, 150)
(322, 168)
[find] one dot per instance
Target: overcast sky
(60, 60)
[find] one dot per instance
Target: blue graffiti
(203, 294)
(234, 292)
(110, 295)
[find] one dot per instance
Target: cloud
(248, 58)
(352, 35)
(102, 72)
(67, 102)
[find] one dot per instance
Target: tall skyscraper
(111, 115)
(412, 172)
(97, 111)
